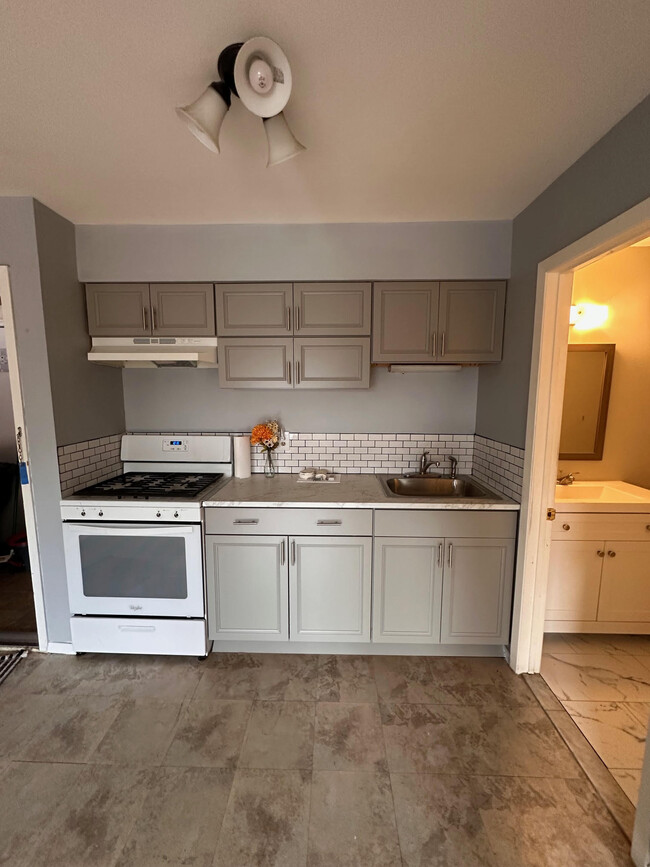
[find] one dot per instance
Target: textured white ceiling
(411, 110)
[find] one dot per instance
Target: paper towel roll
(242, 457)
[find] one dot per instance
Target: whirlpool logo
(135, 607)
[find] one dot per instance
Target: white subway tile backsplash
(86, 463)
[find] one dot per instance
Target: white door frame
(549, 354)
(19, 422)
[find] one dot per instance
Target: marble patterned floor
(603, 681)
(247, 760)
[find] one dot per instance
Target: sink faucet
(425, 464)
(568, 479)
(454, 463)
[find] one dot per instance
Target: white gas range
(134, 548)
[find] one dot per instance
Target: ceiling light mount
(258, 72)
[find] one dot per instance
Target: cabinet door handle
(328, 523)
(289, 319)
(611, 553)
(440, 554)
(442, 343)
(289, 372)
(145, 324)
(153, 318)
(600, 553)
(297, 373)
(450, 554)
(566, 526)
(433, 343)
(296, 317)
(246, 521)
(293, 552)
(282, 552)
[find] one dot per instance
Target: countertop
(612, 496)
(354, 491)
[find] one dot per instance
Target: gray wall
(87, 399)
(613, 176)
(333, 251)
(18, 250)
(187, 400)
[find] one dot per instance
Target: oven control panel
(168, 514)
(176, 445)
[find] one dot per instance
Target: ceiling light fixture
(258, 72)
(586, 317)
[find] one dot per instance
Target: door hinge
(550, 514)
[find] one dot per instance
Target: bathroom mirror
(586, 401)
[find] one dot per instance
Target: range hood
(154, 351)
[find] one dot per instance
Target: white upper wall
(413, 111)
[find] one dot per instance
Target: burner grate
(146, 486)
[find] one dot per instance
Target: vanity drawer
(477, 524)
(580, 526)
(289, 522)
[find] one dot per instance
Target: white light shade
(205, 116)
(282, 143)
(262, 76)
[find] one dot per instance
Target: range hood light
(424, 368)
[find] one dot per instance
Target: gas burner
(152, 486)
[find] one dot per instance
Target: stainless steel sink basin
(421, 486)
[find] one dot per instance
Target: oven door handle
(135, 529)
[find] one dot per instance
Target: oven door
(147, 570)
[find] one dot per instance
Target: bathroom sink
(421, 486)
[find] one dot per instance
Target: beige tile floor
(247, 760)
(603, 681)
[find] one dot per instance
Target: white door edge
(19, 422)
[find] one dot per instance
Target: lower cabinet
(477, 591)
(574, 580)
(407, 601)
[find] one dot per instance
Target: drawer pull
(566, 526)
(611, 553)
(600, 553)
(329, 523)
(246, 521)
(123, 628)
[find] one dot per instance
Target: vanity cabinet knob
(611, 553)
(566, 526)
(176, 514)
(83, 513)
(157, 514)
(100, 513)
(600, 553)
(647, 526)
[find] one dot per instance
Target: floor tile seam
(242, 741)
(582, 766)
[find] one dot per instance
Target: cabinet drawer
(478, 524)
(574, 526)
(150, 635)
(289, 522)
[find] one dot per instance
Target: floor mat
(9, 659)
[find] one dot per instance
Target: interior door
(182, 309)
(118, 309)
(254, 309)
(405, 321)
(471, 321)
(247, 588)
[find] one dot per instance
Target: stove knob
(83, 513)
(100, 513)
(157, 514)
(176, 514)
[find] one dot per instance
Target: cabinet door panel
(471, 321)
(477, 591)
(405, 320)
(247, 588)
(249, 309)
(330, 309)
(255, 362)
(330, 583)
(118, 309)
(407, 590)
(625, 587)
(332, 362)
(573, 580)
(182, 309)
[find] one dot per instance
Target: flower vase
(269, 469)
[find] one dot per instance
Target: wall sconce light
(586, 317)
(258, 72)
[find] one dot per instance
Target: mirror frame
(599, 443)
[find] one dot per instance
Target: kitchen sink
(421, 486)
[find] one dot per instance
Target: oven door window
(133, 566)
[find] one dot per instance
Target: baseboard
(360, 648)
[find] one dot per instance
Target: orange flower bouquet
(267, 436)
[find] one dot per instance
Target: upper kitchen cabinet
(255, 362)
(332, 362)
(182, 309)
(254, 309)
(142, 310)
(405, 321)
(331, 309)
(470, 321)
(118, 309)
